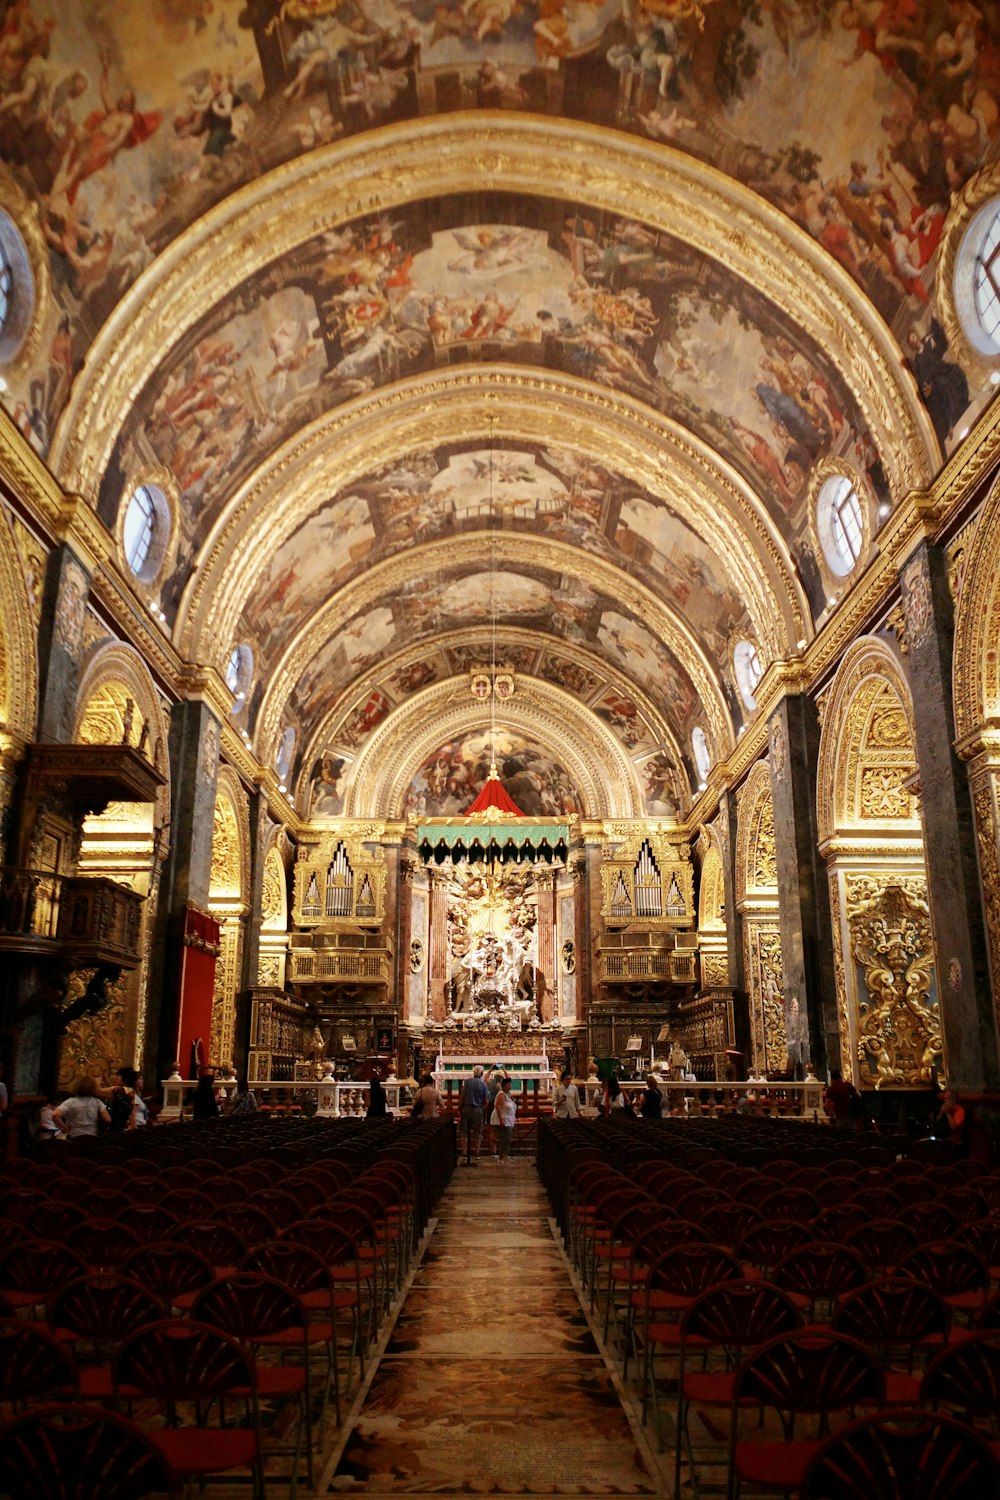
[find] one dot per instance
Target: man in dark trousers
(474, 1098)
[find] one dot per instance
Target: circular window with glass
(748, 669)
(977, 279)
(239, 675)
(702, 758)
(841, 525)
(17, 289)
(145, 531)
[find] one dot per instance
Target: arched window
(702, 758)
(145, 531)
(840, 522)
(239, 675)
(977, 279)
(746, 665)
(17, 289)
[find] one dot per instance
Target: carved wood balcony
(82, 919)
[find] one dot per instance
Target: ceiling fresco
(784, 322)
(611, 302)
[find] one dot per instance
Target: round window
(977, 279)
(702, 758)
(746, 664)
(840, 521)
(145, 531)
(17, 289)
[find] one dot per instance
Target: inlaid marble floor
(491, 1382)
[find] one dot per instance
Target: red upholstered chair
(172, 1273)
(281, 1208)
(253, 1225)
(984, 1237)
(806, 1375)
(94, 1314)
(269, 1320)
(882, 1244)
(790, 1203)
(929, 1220)
(179, 1363)
(77, 1453)
(326, 1298)
(904, 1321)
(904, 1455)
(32, 1270)
(188, 1203)
(221, 1246)
(676, 1277)
(102, 1244)
(765, 1244)
(815, 1275)
(307, 1191)
(728, 1223)
(726, 1321)
(149, 1222)
(965, 1377)
(618, 1263)
(53, 1219)
(955, 1271)
(34, 1367)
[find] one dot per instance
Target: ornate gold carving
(94, 1043)
(227, 982)
(977, 625)
(714, 971)
(895, 625)
(18, 642)
(268, 970)
(226, 854)
(712, 894)
(769, 1040)
(988, 839)
(273, 911)
(883, 795)
(339, 881)
(756, 859)
(899, 1028)
(918, 605)
(779, 750)
(764, 863)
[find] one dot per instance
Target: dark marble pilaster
(60, 643)
(437, 973)
(968, 1020)
(193, 747)
(808, 977)
(546, 974)
(261, 828)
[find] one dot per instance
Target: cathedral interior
(578, 411)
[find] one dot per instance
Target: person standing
(651, 1104)
(82, 1112)
(506, 1108)
(378, 1104)
(614, 1098)
(472, 1102)
(567, 1097)
(204, 1105)
(121, 1102)
(427, 1104)
(841, 1101)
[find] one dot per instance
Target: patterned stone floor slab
(496, 1426)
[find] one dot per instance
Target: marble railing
(333, 1098)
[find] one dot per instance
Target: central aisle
(491, 1381)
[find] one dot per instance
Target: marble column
(809, 982)
(545, 884)
(60, 643)
(968, 1019)
(437, 969)
(261, 828)
(584, 869)
(193, 746)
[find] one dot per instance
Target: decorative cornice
(27, 479)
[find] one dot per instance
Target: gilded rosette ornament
(899, 1029)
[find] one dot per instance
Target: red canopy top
(493, 802)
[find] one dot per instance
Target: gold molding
(975, 665)
(18, 649)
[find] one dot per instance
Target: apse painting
(518, 658)
(448, 780)
(347, 655)
(664, 785)
(326, 786)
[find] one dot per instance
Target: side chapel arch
(228, 904)
(976, 678)
(757, 903)
(871, 836)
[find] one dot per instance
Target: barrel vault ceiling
(461, 330)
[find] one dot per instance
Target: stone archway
(872, 839)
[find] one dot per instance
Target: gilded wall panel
(898, 1024)
(769, 1040)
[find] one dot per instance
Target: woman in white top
(567, 1098)
(82, 1112)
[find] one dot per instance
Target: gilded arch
(18, 652)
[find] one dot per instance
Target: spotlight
(702, 785)
(801, 645)
(995, 377)
(963, 433)
(831, 603)
(282, 787)
(884, 511)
